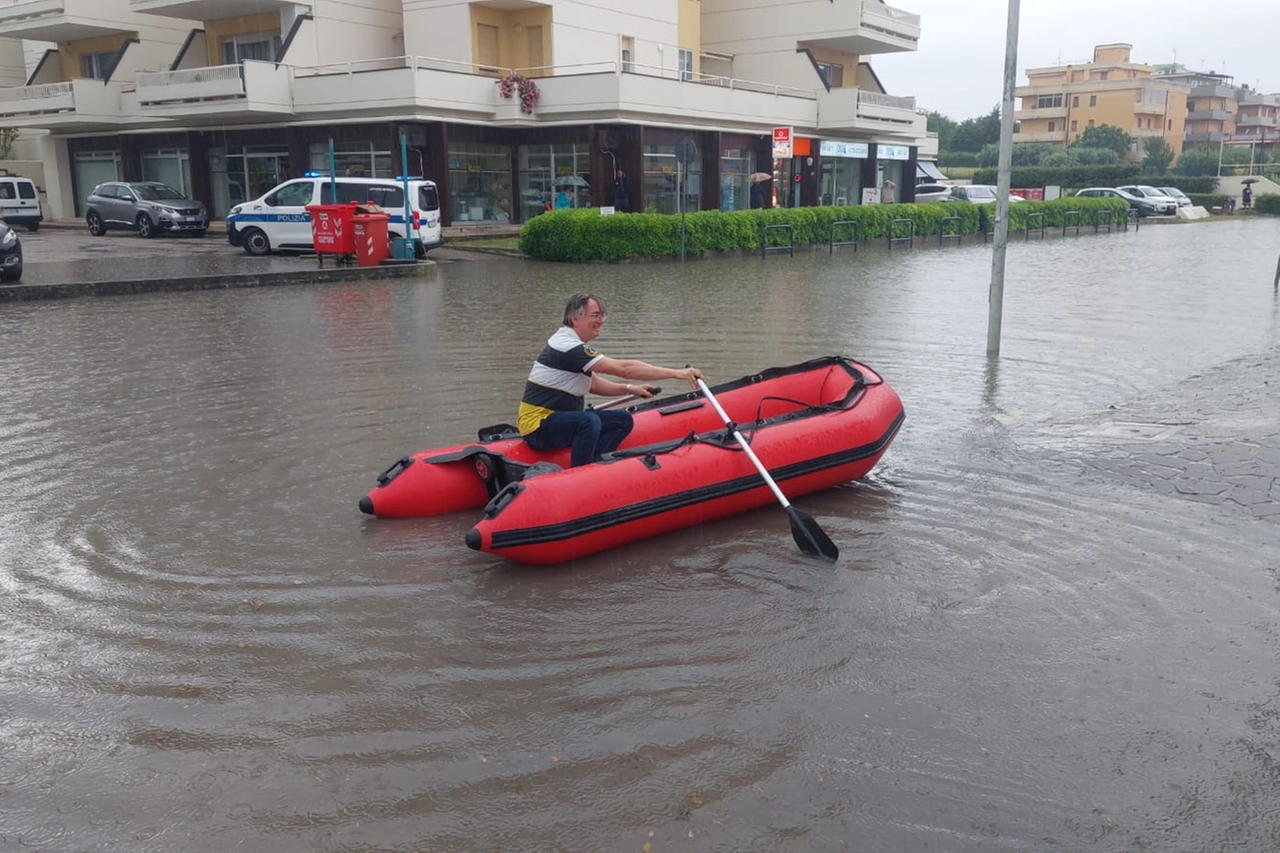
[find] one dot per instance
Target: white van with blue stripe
(279, 219)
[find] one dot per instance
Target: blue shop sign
(893, 152)
(831, 148)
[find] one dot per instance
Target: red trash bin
(331, 228)
(370, 231)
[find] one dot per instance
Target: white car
(1165, 204)
(932, 192)
(979, 194)
(1177, 195)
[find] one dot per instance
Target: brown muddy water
(204, 646)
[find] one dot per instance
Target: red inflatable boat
(812, 425)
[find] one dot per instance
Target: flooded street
(1041, 633)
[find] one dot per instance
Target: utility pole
(995, 299)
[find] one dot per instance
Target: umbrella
(757, 177)
(570, 181)
(1250, 180)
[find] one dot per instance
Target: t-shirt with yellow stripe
(559, 380)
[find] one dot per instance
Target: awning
(928, 170)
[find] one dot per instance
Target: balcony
(1258, 99)
(1040, 112)
(1213, 91)
(74, 105)
(63, 20)
(1257, 121)
(861, 111)
(868, 27)
(249, 90)
(207, 10)
(436, 90)
(1041, 136)
(1209, 115)
(1193, 137)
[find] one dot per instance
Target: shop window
(353, 160)
(832, 75)
(736, 166)
(554, 176)
(661, 179)
(480, 182)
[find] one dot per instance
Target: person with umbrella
(757, 180)
(621, 193)
(1246, 196)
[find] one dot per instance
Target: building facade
(226, 98)
(1059, 103)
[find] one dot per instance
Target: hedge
(1269, 203)
(585, 235)
(1187, 184)
(1075, 177)
(1208, 200)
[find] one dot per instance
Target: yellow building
(1063, 101)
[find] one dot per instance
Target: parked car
(20, 202)
(148, 207)
(1165, 204)
(10, 254)
(1177, 195)
(979, 194)
(932, 192)
(1142, 206)
(279, 219)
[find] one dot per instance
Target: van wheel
(33, 226)
(96, 226)
(146, 228)
(256, 242)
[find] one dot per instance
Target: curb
(37, 292)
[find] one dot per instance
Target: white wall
(369, 29)
(582, 32)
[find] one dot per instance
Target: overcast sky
(959, 68)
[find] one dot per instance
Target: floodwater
(204, 646)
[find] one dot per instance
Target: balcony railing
(251, 87)
(890, 21)
(75, 102)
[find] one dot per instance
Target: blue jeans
(587, 434)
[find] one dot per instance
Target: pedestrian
(886, 192)
(757, 195)
(621, 193)
(552, 411)
(562, 199)
(1246, 197)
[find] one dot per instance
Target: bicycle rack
(1137, 220)
(1037, 227)
(1101, 219)
(831, 247)
(1071, 219)
(765, 248)
(942, 230)
(910, 239)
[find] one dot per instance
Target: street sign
(686, 151)
(782, 143)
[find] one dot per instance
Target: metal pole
(995, 298)
(407, 251)
(680, 201)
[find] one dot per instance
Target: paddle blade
(810, 538)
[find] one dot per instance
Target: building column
(131, 157)
(437, 164)
(58, 184)
(201, 180)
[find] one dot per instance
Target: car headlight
(10, 237)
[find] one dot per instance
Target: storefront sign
(870, 195)
(831, 148)
(732, 153)
(893, 152)
(606, 211)
(781, 143)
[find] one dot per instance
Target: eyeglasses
(594, 315)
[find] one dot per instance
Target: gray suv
(148, 207)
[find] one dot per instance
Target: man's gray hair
(578, 305)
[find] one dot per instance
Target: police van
(279, 219)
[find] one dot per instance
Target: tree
(8, 136)
(1104, 136)
(1159, 154)
(973, 133)
(1203, 159)
(944, 127)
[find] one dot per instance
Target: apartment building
(226, 98)
(1061, 102)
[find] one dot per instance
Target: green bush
(1269, 203)
(1187, 184)
(1207, 200)
(585, 235)
(1070, 176)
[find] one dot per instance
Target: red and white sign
(782, 142)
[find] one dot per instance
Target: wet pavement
(1052, 626)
